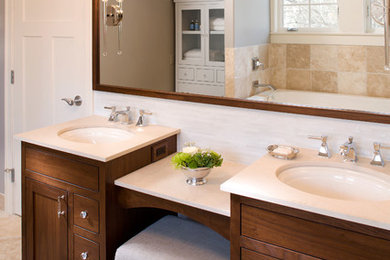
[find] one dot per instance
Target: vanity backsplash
(242, 135)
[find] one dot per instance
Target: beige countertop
(260, 181)
(143, 136)
(162, 180)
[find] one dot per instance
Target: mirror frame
(224, 101)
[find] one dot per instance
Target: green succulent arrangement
(193, 157)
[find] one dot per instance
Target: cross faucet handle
(324, 150)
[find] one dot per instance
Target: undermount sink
(96, 135)
(337, 182)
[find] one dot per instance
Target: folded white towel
(217, 27)
(217, 21)
(194, 53)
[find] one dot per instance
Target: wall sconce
(112, 16)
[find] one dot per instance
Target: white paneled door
(49, 49)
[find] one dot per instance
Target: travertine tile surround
(239, 73)
(355, 70)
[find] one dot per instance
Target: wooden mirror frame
(224, 101)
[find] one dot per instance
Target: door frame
(8, 112)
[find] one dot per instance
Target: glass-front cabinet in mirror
(200, 47)
(322, 57)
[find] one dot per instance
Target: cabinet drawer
(275, 252)
(205, 75)
(252, 255)
(309, 237)
(85, 249)
(74, 172)
(186, 74)
(220, 76)
(86, 213)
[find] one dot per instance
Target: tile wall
(354, 70)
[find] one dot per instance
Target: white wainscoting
(242, 135)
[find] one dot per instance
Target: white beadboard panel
(242, 135)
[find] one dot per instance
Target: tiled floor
(10, 236)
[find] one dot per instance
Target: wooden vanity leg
(235, 216)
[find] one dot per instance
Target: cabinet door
(46, 222)
(215, 35)
(190, 38)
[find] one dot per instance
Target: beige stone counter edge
(48, 137)
(159, 195)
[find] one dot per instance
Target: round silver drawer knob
(84, 214)
(84, 255)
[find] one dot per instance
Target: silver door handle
(60, 212)
(76, 101)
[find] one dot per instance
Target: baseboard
(1, 201)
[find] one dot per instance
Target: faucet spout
(348, 151)
(256, 84)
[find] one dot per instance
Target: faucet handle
(324, 150)
(140, 121)
(143, 112)
(377, 159)
(113, 108)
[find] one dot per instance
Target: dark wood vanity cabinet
(46, 230)
(69, 203)
(263, 230)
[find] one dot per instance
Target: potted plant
(196, 163)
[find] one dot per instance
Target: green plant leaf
(201, 159)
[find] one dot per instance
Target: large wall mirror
(315, 57)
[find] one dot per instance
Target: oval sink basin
(96, 135)
(337, 182)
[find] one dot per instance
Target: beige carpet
(10, 236)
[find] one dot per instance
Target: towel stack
(192, 54)
(217, 24)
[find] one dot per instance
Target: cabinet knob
(84, 214)
(84, 255)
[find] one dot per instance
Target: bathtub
(325, 100)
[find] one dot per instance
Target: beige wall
(148, 43)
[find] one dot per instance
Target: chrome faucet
(256, 84)
(348, 151)
(377, 160)
(140, 121)
(114, 115)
